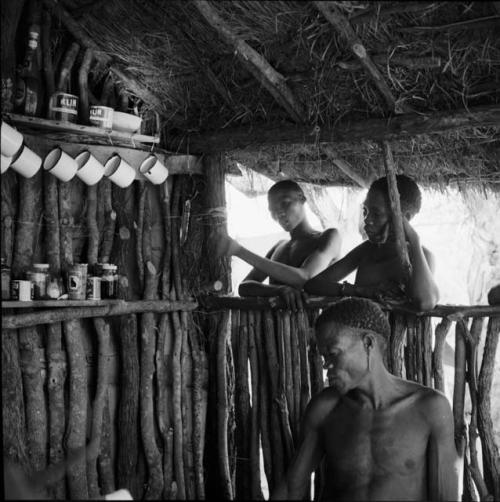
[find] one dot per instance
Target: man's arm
(442, 458)
(422, 290)
(307, 456)
(327, 251)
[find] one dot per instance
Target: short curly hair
(410, 195)
(288, 185)
(357, 313)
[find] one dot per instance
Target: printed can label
(94, 288)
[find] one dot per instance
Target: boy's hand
(410, 232)
(292, 297)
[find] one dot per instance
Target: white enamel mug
(154, 170)
(118, 171)
(12, 140)
(26, 163)
(5, 163)
(90, 170)
(60, 164)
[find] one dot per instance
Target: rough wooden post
(491, 459)
(55, 355)
(394, 199)
(217, 268)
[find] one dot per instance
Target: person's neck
(303, 229)
(377, 387)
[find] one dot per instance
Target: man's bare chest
(367, 447)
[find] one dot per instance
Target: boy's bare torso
(295, 251)
(376, 454)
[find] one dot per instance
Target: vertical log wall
(137, 385)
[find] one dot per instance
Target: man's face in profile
(287, 208)
(343, 354)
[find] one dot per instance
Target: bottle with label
(109, 281)
(28, 98)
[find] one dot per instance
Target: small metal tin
(77, 281)
(21, 290)
(93, 288)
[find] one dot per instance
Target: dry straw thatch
(170, 48)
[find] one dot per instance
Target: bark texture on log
(491, 458)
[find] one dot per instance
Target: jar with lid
(39, 277)
(109, 281)
(5, 280)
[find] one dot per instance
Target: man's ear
(368, 340)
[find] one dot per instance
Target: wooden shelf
(47, 125)
(33, 304)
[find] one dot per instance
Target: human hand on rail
(293, 298)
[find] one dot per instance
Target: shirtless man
(382, 437)
(376, 260)
(289, 263)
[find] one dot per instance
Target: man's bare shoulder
(321, 405)
(431, 403)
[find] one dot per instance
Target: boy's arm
(422, 289)
(295, 276)
(326, 283)
(442, 458)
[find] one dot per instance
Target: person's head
(377, 210)
(286, 204)
(352, 337)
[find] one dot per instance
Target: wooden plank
(345, 167)
(23, 121)
(176, 164)
(15, 304)
(375, 129)
(258, 66)
(342, 26)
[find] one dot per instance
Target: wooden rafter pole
(397, 215)
(345, 30)
(256, 64)
(83, 39)
(377, 129)
(345, 167)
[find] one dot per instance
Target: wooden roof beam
(400, 126)
(129, 82)
(342, 26)
(345, 167)
(255, 63)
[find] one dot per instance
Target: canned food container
(77, 281)
(5, 280)
(101, 116)
(63, 106)
(39, 278)
(94, 288)
(109, 281)
(21, 290)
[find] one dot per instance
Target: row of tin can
(101, 285)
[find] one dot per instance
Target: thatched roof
(432, 56)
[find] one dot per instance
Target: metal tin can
(39, 277)
(77, 281)
(21, 290)
(63, 106)
(94, 288)
(5, 280)
(101, 116)
(109, 281)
